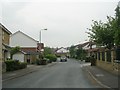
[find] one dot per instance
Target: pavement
(18, 73)
(103, 77)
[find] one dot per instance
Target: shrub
(33, 62)
(44, 61)
(23, 65)
(87, 59)
(48, 60)
(38, 62)
(12, 65)
(51, 57)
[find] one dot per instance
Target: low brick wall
(110, 67)
(106, 59)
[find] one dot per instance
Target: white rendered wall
(22, 40)
(18, 56)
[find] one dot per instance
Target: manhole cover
(99, 75)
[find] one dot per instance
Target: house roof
(5, 29)
(21, 52)
(5, 47)
(82, 45)
(62, 50)
(93, 49)
(24, 34)
(32, 52)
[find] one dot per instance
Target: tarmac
(102, 77)
(18, 73)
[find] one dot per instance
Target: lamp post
(40, 47)
(41, 35)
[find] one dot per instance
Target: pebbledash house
(28, 47)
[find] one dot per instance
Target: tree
(117, 25)
(72, 51)
(47, 50)
(106, 34)
(80, 53)
(102, 33)
(14, 50)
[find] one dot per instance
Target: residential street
(61, 75)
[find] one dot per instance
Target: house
(27, 45)
(5, 38)
(4, 45)
(0, 44)
(20, 56)
(62, 51)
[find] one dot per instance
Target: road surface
(68, 74)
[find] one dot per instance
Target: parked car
(63, 59)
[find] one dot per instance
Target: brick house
(4, 45)
(27, 45)
(5, 38)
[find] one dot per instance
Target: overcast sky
(66, 20)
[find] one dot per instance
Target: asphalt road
(62, 75)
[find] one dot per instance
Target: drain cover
(99, 75)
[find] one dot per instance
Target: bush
(23, 65)
(51, 57)
(44, 61)
(38, 62)
(41, 62)
(87, 59)
(12, 65)
(48, 60)
(33, 62)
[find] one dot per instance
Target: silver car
(63, 59)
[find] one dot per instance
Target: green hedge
(51, 57)
(12, 65)
(41, 62)
(38, 62)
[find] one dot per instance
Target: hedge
(42, 62)
(51, 57)
(12, 65)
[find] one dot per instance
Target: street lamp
(40, 45)
(41, 35)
